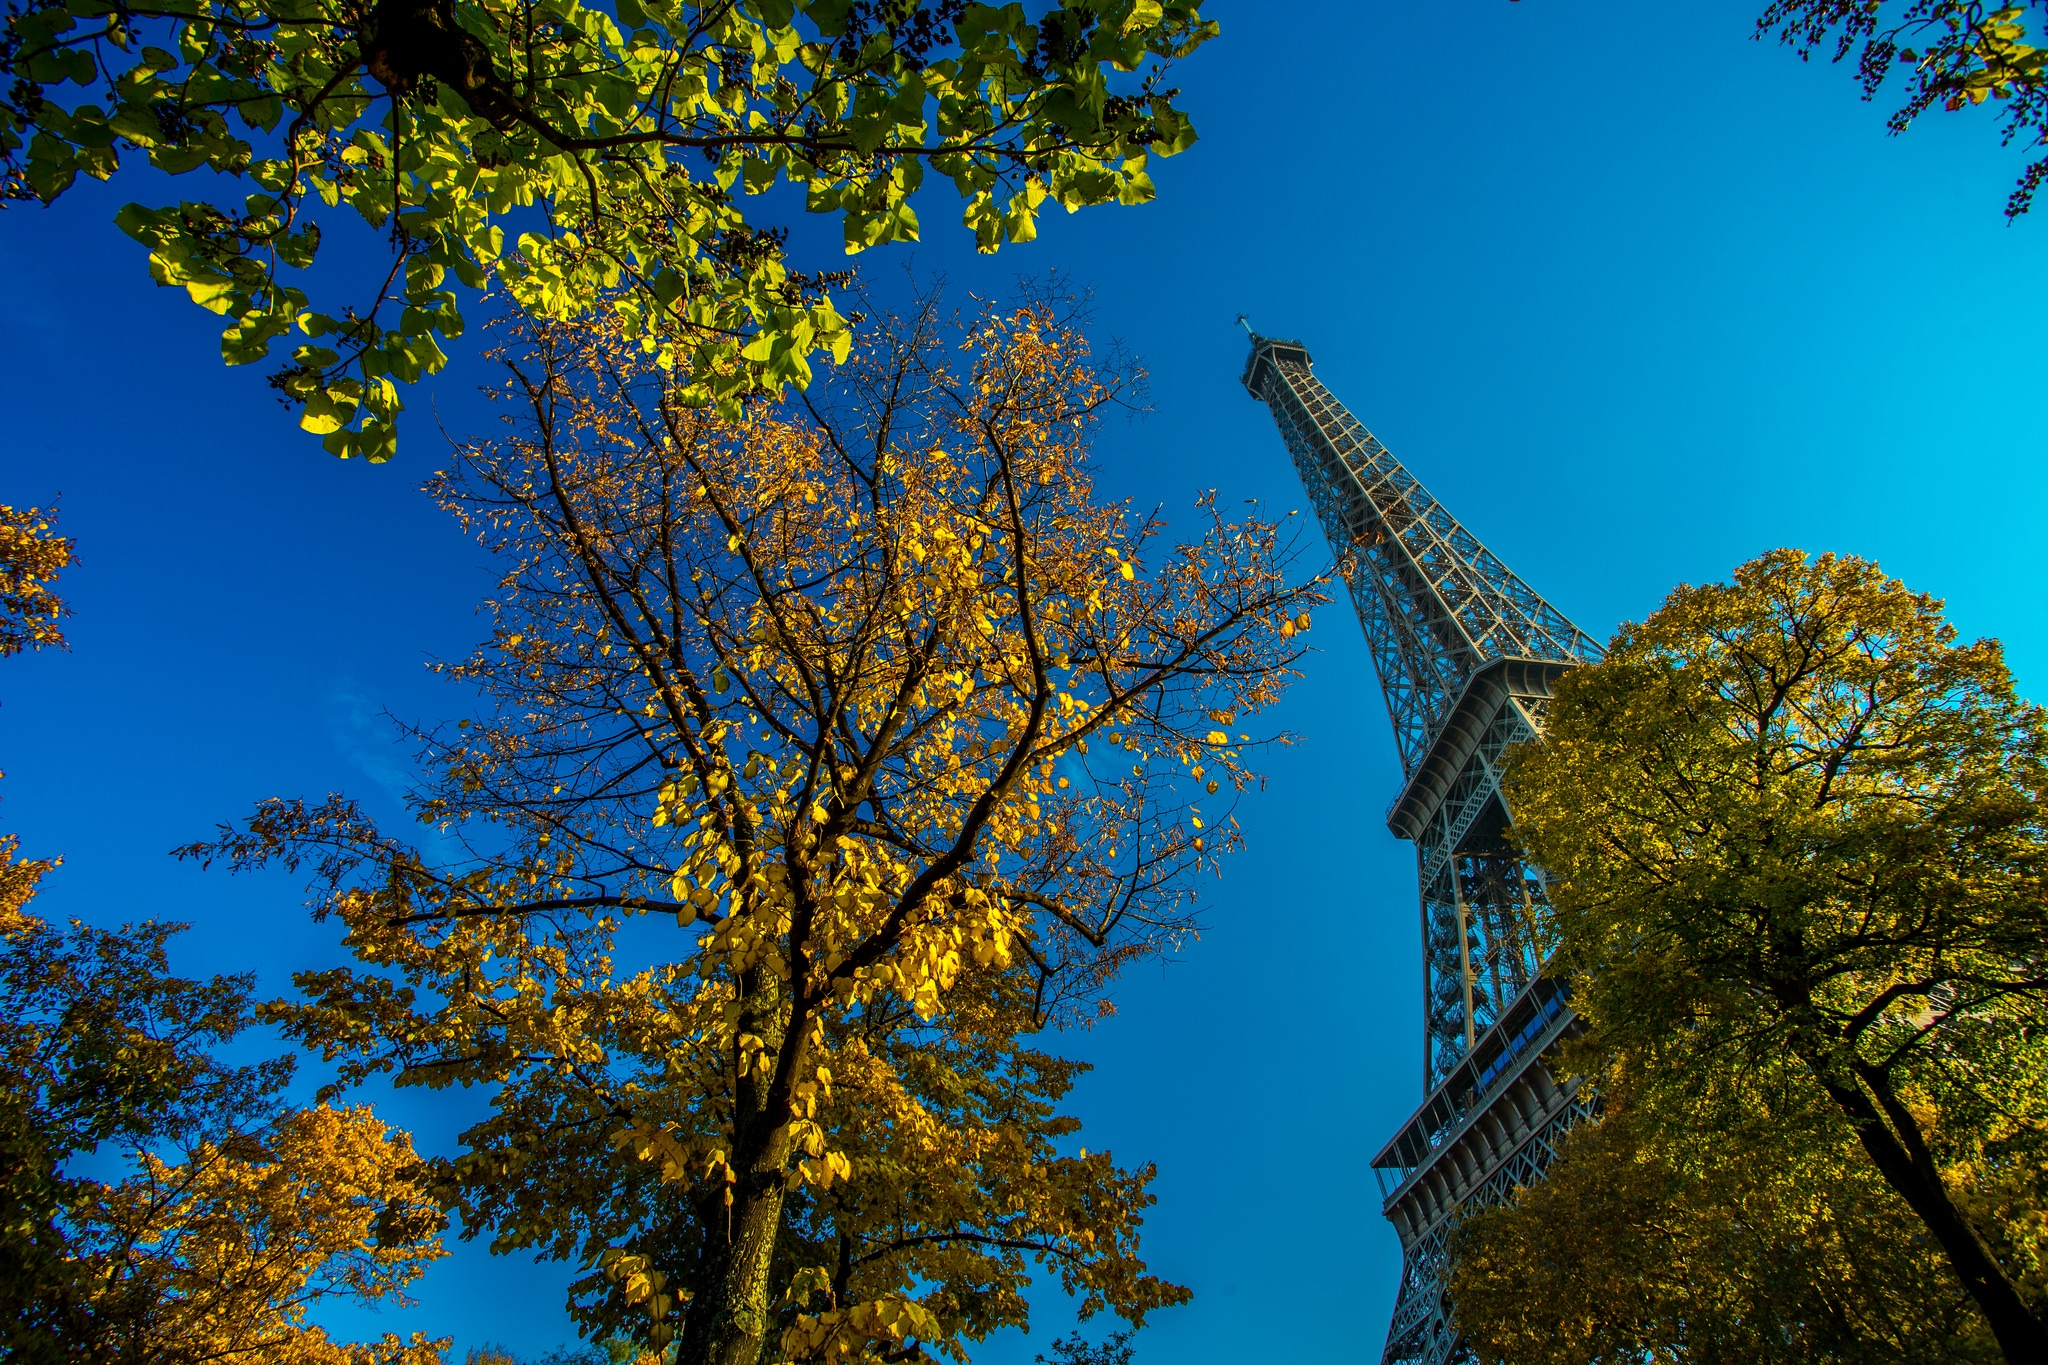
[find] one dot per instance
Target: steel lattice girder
(1435, 603)
(1466, 654)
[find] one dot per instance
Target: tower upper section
(1437, 606)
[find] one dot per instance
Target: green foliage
(1797, 834)
(1954, 53)
(582, 159)
(1710, 1215)
(610, 1351)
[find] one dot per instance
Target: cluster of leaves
(1076, 1349)
(235, 1213)
(1711, 1214)
(1956, 53)
(1797, 839)
(31, 557)
(870, 698)
(586, 159)
(610, 1351)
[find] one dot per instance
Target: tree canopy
(232, 1212)
(827, 755)
(585, 159)
(1797, 838)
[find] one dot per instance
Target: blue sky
(1637, 297)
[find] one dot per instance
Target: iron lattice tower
(1466, 654)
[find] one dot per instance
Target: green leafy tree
(586, 160)
(1955, 54)
(1797, 829)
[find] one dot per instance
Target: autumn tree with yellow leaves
(231, 1215)
(218, 1215)
(826, 756)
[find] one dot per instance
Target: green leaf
(1176, 133)
(641, 231)
(215, 296)
(323, 415)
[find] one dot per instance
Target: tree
(237, 1212)
(1732, 1222)
(221, 1214)
(588, 161)
(1793, 821)
(871, 694)
(1957, 54)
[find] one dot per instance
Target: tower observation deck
(1466, 654)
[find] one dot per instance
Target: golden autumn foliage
(31, 557)
(231, 1214)
(1798, 844)
(213, 1215)
(239, 1238)
(827, 754)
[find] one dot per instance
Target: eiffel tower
(1467, 655)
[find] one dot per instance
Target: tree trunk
(2021, 1336)
(729, 1318)
(409, 39)
(729, 1314)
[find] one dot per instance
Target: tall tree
(587, 159)
(1956, 54)
(1791, 817)
(875, 697)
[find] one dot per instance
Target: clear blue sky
(1637, 297)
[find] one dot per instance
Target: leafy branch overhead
(587, 160)
(1957, 54)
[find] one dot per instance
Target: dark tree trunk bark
(729, 1314)
(409, 39)
(1902, 1159)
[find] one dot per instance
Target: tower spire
(1436, 604)
(1466, 655)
